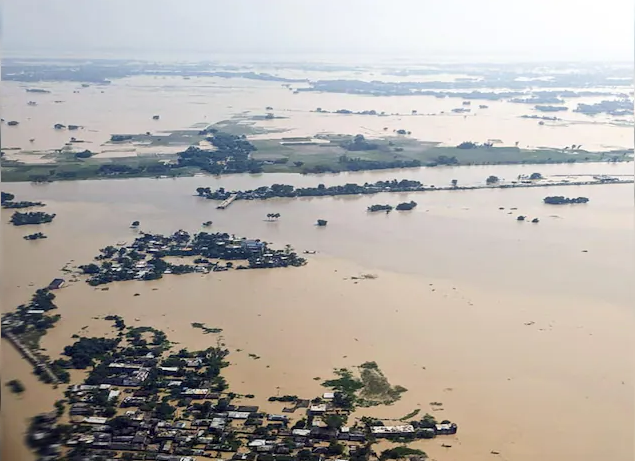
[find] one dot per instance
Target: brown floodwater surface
(522, 331)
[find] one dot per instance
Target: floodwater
(519, 329)
(127, 105)
(17, 409)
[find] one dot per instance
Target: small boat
(309, 252)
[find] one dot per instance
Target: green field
(428, 153)
(326, 153)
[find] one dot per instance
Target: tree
(16, 386)
(335, 421)
(445, 160)
(120, 422)
(401, 452)
(59, 408)
(85, 350)
(535, 176)
(84, 154)
(335, 448)
(344, 400)
(454, 182)
(304, 455)
(165, 411)
(7, 197)
(492, 179)
(467, 145)
(406, 206)
(428, 421)
(299, 424)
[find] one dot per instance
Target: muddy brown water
(518, 332)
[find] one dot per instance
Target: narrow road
(30, 356)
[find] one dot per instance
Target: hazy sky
(517, 30)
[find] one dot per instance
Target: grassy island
(233, 152)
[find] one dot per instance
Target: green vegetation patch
(346, 382)
(234, 153)
(84, 352)
(402, 452)
(135, 337)
(370, 388)
(410, 415)
(376, 388)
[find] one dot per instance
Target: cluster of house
(236, 429)
(204, 422)
(142, 259)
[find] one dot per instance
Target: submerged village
(143, 400)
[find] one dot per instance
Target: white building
(392, 430)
